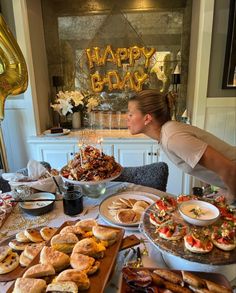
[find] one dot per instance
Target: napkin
(34, 180)
(35, 169)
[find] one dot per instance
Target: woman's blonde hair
(161, 106)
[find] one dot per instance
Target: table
(18, 221)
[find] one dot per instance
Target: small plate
(104, 212)
(48, 132)
(38, 207)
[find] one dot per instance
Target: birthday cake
(91, 164)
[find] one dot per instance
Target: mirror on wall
(70, 33)
(229, 75)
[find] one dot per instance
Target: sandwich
(85, 263)
(198, 242)
(73, 229)
(166, 203)
(33, 235)
(105, 234)
(39, 271)
(64, 242)
(88, 246)
(80, 278)
(47, 232)
(223, 237)
(4, 251)
(171, 230)
(57, 259)
(28, 285)
(63, 286)
(86, 224)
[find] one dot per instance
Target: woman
(196, 151)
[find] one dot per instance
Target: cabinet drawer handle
(150, 154)
(72, 154)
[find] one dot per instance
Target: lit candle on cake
(81, 154)
(100, 141)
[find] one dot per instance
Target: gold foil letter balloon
(13, 70)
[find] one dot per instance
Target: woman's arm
(226, 169)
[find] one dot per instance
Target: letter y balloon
(13, 70)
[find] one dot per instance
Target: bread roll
(10, 263)
(57, 259)
(21, 237)
(87, 224)
(103, 233)
(169, 276)
(24, 260)
(64, 242)
(27, 285)
(216, 288)
(33, 249)
(90, 247)
(80, 278)
(39, 271)
(193, 280)
(47, 232)
(4, 251)
(33, 235)
(63, 286)
(81, 262)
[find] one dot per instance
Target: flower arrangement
(74, 101)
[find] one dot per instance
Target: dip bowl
(199, 213)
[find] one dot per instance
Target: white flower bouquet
(74, 101)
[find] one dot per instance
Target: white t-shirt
(185, 144)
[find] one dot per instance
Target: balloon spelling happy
(13, 70)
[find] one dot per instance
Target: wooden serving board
(99, 279)
(177, 248)
(214, 277)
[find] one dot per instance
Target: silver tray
(176, 248)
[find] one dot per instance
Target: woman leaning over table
(195, 151)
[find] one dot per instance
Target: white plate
(90, 182)
(104, 212)
(37, 204)
(48, 132)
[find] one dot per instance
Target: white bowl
(199, 213)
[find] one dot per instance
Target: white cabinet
(131, 154)
(57, 155)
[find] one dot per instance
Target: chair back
(153, 175)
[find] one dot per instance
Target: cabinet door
(57, 155)
(135, 154)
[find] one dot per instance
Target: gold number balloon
(13, 70)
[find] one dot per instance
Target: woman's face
(135, 119)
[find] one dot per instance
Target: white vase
(76, 120)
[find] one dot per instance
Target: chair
(153, 175)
